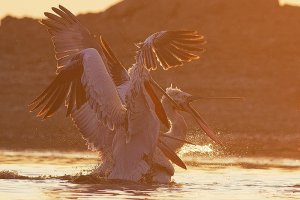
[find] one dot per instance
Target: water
(41, 176)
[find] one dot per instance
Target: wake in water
(89, 179)
(11, 174)
(78, 178)
(200, 156)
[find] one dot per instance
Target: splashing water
(42, 175)
(189, 148)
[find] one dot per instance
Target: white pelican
(175, 137)
(116, 110)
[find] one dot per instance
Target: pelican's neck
(178, 124)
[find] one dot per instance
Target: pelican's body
(178, 125)
(117, 111)
(162, 169)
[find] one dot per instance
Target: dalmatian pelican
(117, 110)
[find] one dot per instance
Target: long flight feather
(170, 154)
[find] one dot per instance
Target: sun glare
(289, 2)
(36, 8)
(195, 149)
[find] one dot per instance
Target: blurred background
(253, 50)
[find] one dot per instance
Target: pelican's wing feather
(97, 136)
(170, 49)
(69, 37)
(115, 68)
(84, 79)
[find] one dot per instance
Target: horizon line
(282, 3)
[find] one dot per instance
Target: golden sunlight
(36, 8)
(85, 116)
(290, 2)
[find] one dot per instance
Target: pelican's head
(180, 97)
(182, 102)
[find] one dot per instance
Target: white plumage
(101, 91)
(116, 111)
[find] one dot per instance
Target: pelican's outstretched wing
(169, 48)
(84, 79)
(69, 37)
(97, 136)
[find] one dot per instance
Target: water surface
(40, 175)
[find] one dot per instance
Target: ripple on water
(208, 177)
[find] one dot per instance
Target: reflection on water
(188, 148)
(41, 176)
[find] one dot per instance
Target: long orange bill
(195, 98)
(159, 109)
(164, 93)
(204, 126)
(175, 138)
